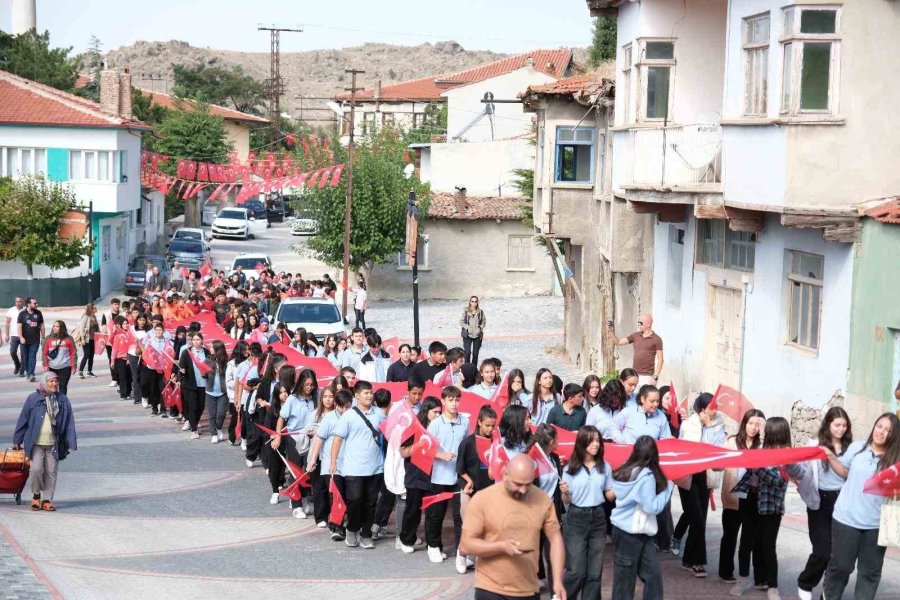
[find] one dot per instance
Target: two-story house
(95, 148)
(754, 131)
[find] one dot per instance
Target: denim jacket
(32, 416)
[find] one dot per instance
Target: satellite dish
(408, 170)
(489, 96)
(698, 144)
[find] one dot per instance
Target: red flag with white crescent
(424, 449)
(392, 347)
(435, 498)
(731, 402)
(338, 507)
(399, 425)
(884, 483)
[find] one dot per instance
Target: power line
(564, 43)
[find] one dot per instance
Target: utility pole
(348, 203)
(274, 84)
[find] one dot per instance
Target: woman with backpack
(472, 323)
(59, 354)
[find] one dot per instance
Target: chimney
(125, 95)
(115, 92)
(529, 62)
(459, 200)
(23, 17)
(377, 94)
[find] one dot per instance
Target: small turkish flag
(171, 396)
(731, 402)
(205, 269)
(543, 464)
(152, 358)
(185, 272)
(260, 267)
(673, 406)
(199, 363)
(446, 377)
(499, 460)
(424, 449)
(100, 340)
(338, 508)
(500, 397)
(483, 448)
(392, 347)
(884, 483)
(435, 498)
(399, 425)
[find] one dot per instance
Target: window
(675, 268)
(625, 92)
(92, 165)
(422, 254)
(718, 246)
(756, 64)
(387, 119)
(368, 123)
(19, 162)
(805, 274)
(418, 120)
(811, 50)
(574, 154)
(655, 67)
(519, 253)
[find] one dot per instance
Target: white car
(248, 263)
(304, 226)
(235, 222)
(319, 316)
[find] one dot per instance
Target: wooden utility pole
(275, 85)
(348, 203)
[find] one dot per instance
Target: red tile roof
(889, 212)
(551, 62)
(25, 102)
(228, 114)
(593, 87)
(445, 206)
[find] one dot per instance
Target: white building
(95, 149)
(753, 130)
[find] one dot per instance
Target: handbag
(52, 354)
(643, 523)
(62, 447)
(889, 525)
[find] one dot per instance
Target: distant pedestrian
(59, 354)
(46, 430)
(31, 332)
(472, 323)
(648, 350)
(84, 337)
(12, 334)
(361, 302)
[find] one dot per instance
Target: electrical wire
(564, 43)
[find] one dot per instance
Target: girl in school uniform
(543, 398)
(416, 481)
(548, 479)
(516, 390)
(486, 382)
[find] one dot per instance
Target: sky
(498, 25)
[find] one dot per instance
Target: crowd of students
(332, 433)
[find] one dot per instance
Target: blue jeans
(29, 357)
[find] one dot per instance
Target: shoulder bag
(889, 526)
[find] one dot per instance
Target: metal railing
(686, 156)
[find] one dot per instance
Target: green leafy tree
(378, 217)
(603, 46)
(30, 212)
(190, 132)
(220, 85)
(144, 110)
(92, 60)
(29, 55)
(435, 124)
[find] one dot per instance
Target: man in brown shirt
(503, 527)
(648, 350)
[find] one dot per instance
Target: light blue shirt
(603, 420)
(634, 422)
(248, 371)
(298, 413)
(326, 433)
(543, 408)
(587, 486)
(714, 435)
(855, 508)
(829, 481)
(350, 357)
(485, 392)
(199, 379)
(362, 453)
(216, 390)
(450, 434)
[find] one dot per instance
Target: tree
(93, 61)
(30, 212)
(603, 46)
(29, 55)
(220, 85)
(435, 123)
(378, 217)
(144, 110)
(190, 132)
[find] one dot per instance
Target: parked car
(137, 272)
(248, 262)
(304, 224)
(189, 253)
(319, 316)
(236, 222)
(279, 210)
(191, 233)
(257, 210)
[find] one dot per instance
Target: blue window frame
(575, 154)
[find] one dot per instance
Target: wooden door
(723, 336)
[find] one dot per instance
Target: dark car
(257, 210)
(137, 271)
(278, 210)
(189, 253)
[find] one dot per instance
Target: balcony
(687, 158)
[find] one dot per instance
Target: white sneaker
(460, 564)
(214, 439)
(435, 555)
(367, 543)
(244, 445)
(112, 384)
(403, 547)
(144, 403)
(470, 562)
(249, 464)
(195, 435)
(321, 524)
(352, 539)
(186, 426)
(222, 436)
(772, 594)
(743, 584)
(298, 513)
(804, 595)
(274, 499)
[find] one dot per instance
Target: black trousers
(607, 513)
(320, 496)
(15, 352)
(194, 401)
(63, 375)
(749, 546)
(472, 346)
(360, 318)
(481, 594)
(123, 377)
(695, 503)
(731, 526)
(276, 467)
(151, 381)
(664, 527)
(386, 502)
(361, 497)
(412, 515)
(820, 537)
(87, 357)
(254, 436)
(290, 448)
(848, 546)
(768, 546)
(232, 423)
(114, 373)
(434, 517)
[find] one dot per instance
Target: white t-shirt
(361, 297)
(13, 315)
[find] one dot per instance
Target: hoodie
(640, 491)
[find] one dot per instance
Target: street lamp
(412, 251)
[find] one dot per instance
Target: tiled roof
(228, 114)
(596, 86)
(446, 206)
(550, 62)
(25, 102)
(889, 212)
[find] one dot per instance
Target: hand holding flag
(884, 483)
(338, 507)
(199, 363)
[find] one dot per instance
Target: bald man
(648, 350)
(503, 526)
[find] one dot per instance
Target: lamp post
(412, 245)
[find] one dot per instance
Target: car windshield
(186, 246)
(139, 263)
(233, 214)
(249, 262)
(187, 235)
(309, 313)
